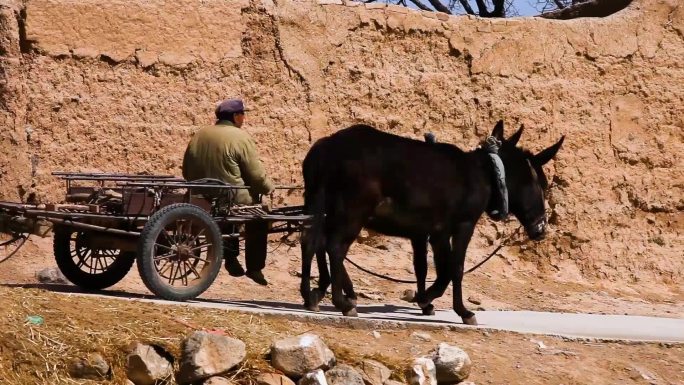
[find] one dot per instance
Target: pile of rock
(302, 360)
(447, 364)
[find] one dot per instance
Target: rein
(386, 277)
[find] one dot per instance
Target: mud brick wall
(121, 85)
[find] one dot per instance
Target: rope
(22, 241)
(386, 277)
(494, 252)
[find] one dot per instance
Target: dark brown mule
(362, 177)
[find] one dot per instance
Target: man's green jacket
(227, 153)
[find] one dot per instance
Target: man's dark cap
(231, 106)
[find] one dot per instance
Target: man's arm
(252, 170)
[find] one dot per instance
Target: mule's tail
(313, 236)
(314, 205)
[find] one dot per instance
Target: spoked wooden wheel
(180, 252)
(87, 267)
(173, 262)
(10, 244)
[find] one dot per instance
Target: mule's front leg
(460, 241)
(442, 250)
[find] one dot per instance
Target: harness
(500, 192)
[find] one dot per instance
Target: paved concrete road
(608, 327)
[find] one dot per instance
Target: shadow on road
(380, 312)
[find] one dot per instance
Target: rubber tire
(148, 237)
(90, 282)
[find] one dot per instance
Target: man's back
(227, 153)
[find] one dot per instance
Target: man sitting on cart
(226, 152)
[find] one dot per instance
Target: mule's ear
(497, 132)
(513, 140)
(548, 154)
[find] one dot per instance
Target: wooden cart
(174, 229)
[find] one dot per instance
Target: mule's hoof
(428, 310)
(470, 320)
(315, 298)
(350, 313)
(314, 308)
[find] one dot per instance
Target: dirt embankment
(121, 86)
(31, 354)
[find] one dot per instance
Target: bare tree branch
(440, 7)
(499, 10)
(420, 5)
(481, 8)
(466, 6)
(592, 8)
(552, 9)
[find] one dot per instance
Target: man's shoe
(234, 268)
(258, 277)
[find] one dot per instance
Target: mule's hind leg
(316, 295)
(337, 250)
(308, 249)
(420, 268)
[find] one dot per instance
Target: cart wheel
(88, 268)
(180, 252)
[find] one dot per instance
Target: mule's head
(525, 180)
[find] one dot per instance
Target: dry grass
(76, 326)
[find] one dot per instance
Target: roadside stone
(422, 372)
(273, 379)
(374, 373)
(452, 364)
(376, 334)
(146, 59)
(145, 366)
(296, 356)
(51, 275)
(218, 381)
(85, 53)
(93, 367)
(175, 60)
(205, 355)
(421, 336)
(317, 377)
(343, 375)
(408, 295)
(475, 300)
(392, 382)
(371, 296)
